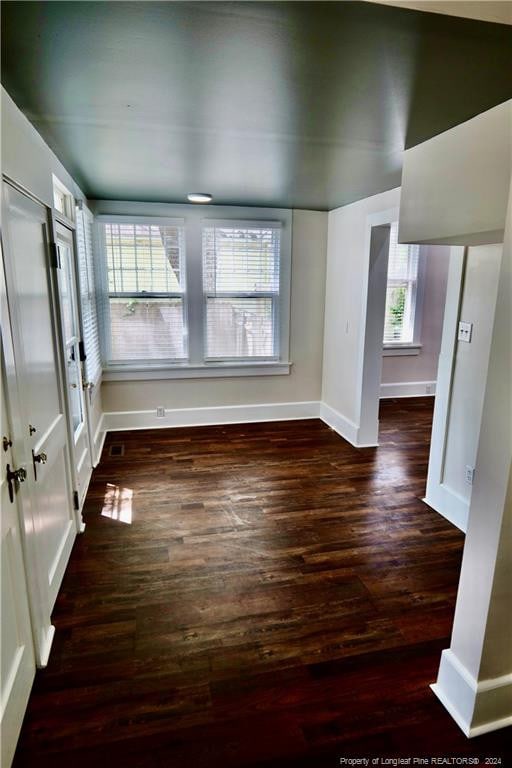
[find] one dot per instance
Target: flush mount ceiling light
(199, 197)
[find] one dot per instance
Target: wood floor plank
(254, 595)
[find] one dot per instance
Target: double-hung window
(400, 319)
(145, 266)
(195, 296)
(241, 283)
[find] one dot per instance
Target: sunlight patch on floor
(117, 503)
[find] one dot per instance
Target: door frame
(65, 231)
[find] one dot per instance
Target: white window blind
(90, 325)
(401, 291)
(146, 291)
(241, 284)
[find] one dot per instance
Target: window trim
(272, 295)
(193, 219)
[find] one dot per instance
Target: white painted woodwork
(42, 403)
(17, 652)
(462, 373)
(475, 674)
(74, 375)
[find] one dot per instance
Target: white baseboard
(408, 389)
(197, 417)
(449, 504)
(99, 440)
(44, 651)
(343, 426)
(476, 707)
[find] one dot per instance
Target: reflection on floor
(279, 599)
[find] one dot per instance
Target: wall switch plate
(465, 331)
(470, 474)
(160, 411)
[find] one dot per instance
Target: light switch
(465, 331)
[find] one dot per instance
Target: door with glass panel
(73, 358)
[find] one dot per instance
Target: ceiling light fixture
(199, 197)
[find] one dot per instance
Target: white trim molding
(99, 439)
(449, 504)
(196, 417)
(408, 389)
(204, 371)
(401, 349)
(476, 706)
(346, 428)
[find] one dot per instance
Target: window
(86, 274)
(241, 266)
(194, 296)
(63, 200)
(146, 291)
(402, 292)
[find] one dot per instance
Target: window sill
(401, 349)
(205, 371)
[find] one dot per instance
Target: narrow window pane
(401, 291)
(239, 327)
(147, 329)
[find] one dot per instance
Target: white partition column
(475, 674)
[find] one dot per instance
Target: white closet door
(36, 344)
(17, 655)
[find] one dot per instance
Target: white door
(30, 289)
(79, 430)
(17, 654)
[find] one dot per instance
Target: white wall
(303, 384)
(348, 252)
(27, 160)
(475, 674)
(422, 368)
(455, 186)
(471, 362)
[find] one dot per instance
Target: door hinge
(81, 351)
(55, 256)
(76, 500)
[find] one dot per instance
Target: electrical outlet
(430, 389)
(160, 411)
(465, 331)
(470, 474)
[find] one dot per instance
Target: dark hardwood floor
(254, 595)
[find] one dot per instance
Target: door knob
(14, 476)
(38, 458)
(88, 385)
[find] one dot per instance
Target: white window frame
(194, 218)
(60, 189)
(413, 347)
(276, 300)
